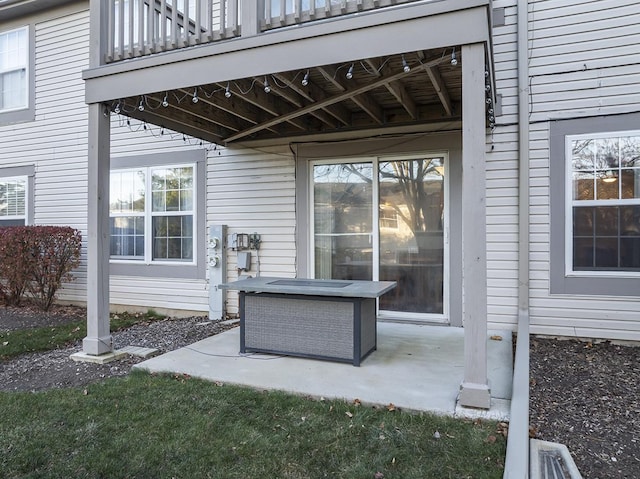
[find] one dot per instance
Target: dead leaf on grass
(349, 414)
(391, 407)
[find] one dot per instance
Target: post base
(475, 395)
(97, 346)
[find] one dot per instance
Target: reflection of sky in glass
(344, 173)
(606, 168)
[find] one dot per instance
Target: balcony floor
(416, 367)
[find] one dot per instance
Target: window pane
(607, 185)
(172, 189)
(606, 221)
(583, 185)
(630, 183)
(582, 155)
(630, 253)
(13, 65)
(607, 153)
(13, 197)
(582, 253)
(630, 151)
(127, 236)
(173, 237)
(127, 191)
(583, 222)
(630, 220)
(606, 252)
(343, 211)
(606, 238)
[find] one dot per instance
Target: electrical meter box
(244, 260)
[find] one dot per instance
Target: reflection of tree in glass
(172, 189)
(421, 186)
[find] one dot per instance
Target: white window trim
(570, 203)
(26, 67)
(148, 215)
(24, 217)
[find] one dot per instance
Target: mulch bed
(585, 395)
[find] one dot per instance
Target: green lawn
(145, 426)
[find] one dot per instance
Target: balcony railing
(142, 27)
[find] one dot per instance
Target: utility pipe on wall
(517, 460)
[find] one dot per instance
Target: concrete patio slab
(416, 367)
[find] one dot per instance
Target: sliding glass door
(384, 219)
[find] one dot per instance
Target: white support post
(98, 340)
(474, 391)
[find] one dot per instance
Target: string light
(267, 88)
(454, 60)
(405, 66)
(227, 92)
(349, 74)
(141, 105)
(305, 79)
(195, 96)
(165, 102)
(116, 110)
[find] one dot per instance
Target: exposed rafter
(382, 92)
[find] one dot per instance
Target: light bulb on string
(195, 96)
(165, 101)
(116, 110)
(267, 88)
(305, 79)
(454, 60)
(405, 66)
(349, 74)
(227, 92)
(141, 105)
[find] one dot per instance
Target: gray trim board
(559, 282)
(28, 113)
(10, 9)
(180, 271)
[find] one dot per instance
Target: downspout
(517, 459)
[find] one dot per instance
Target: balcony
(269, 72)
(141, 27)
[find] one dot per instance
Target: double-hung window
(152, 214)
(13, 201)
(594, 205)
(603, 202)
(14, 70)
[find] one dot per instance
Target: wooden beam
(397, 89)
(263, 101)
(441, 88)
(358, 90)
(364, 101)
(314, 93)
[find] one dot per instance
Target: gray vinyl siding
(502, 180)
(584, 62)
(254, 191)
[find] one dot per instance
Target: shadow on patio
(416, 367)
